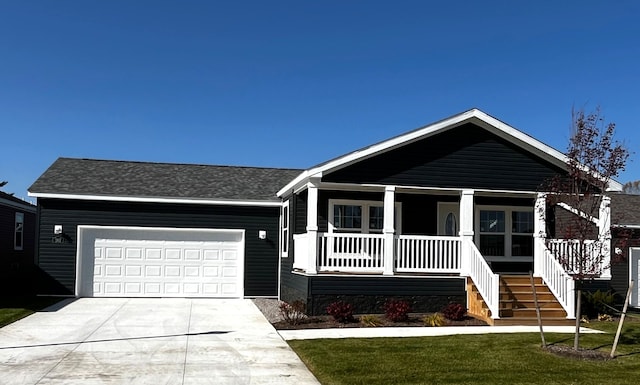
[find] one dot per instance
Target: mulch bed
(326, 322)
(580, 354)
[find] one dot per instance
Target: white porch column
(466, 227)
(312, 226)
(389, 228)
(604, 235)
(539, 232)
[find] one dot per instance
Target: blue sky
(294, 83)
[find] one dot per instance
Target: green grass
(15, 308)
(471, 359)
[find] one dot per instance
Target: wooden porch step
(517, 305)
(531, 313)
(533, 321)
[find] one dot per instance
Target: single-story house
(449, 212)
(17, 243)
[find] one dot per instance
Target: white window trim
(285, 231)
(365, 215)
(507, 231)
(19, 218)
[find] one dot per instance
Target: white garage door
(165, 263)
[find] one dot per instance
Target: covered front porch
(473, 233)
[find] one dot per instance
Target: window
(521, 233)
(365, 217)
(505, 232)
(347, 217)
(19, 232)
(284, 234)
(451, 225)
(492, 234)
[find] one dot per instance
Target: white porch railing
(419, 254)
(486, 281)
(555, 276)
(576, 257)
(351, 252)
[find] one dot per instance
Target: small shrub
(454, 312)
(605, 317)
(341, 311)
(293, 313)
(434, 320)
(397, 310)
(598, 302)
(370, 320)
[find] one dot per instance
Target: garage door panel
(171, 268)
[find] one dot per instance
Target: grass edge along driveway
(13, 309)
(471, 359)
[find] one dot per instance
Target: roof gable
(467, 156)
(500, 129)
(108, 178)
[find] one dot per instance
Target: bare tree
(632, 187)
(594, 159)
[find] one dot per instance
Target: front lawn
(471, 359)
(15, 308)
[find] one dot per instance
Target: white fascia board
(579, 213)
(367, 151)
(16, 205)
(510, 133)
(486, 121)
(555, 155)
(157, 200)
(632, 227)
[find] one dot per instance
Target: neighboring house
(17, 244)
(448, 212)
(625, 218)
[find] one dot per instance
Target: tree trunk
(576, 339)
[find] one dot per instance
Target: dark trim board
(57, 261)
(368, 294)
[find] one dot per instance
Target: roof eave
(148, 199)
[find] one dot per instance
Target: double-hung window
(284, 229)
(505, 231)
(18, 242)
(366, 217)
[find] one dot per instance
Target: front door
(448, 218)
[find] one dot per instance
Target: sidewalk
(375, 332)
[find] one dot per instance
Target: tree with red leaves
(594, 159)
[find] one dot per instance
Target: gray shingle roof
(161, 180)
(625, 209)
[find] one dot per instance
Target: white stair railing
(555, 277)
(486, 281)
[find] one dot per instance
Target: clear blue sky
(294, 83)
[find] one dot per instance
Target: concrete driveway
(148, 341)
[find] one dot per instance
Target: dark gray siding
(623, 239)
(463, 157)
(368, 294)
(299, 202)
(57, 261)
